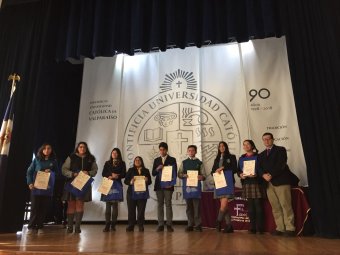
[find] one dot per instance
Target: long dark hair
(87, 153)
(119, 158)
(226, 152)
(40, 155)
(253, 146)
(141, 160)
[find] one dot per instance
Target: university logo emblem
(181, 114)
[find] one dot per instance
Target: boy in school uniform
(193, 204)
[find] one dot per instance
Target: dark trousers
(256, 214)
(134, 205)
(164, 196)
(39, 206)
(111, 212)
(194, 212)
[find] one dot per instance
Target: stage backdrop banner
(193, 96)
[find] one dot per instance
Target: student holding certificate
(114, 169)
(251, 181)
(81, 160)
(188, 166)
(137, 173)
(45, 162)
(164, 194)
(224, 161)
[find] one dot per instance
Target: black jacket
(169, 161)
(132, 172)
(276, 165)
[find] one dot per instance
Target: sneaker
(160, 229)
(169, 228)
(189, 229)
(198, 229)
(77, 230)
(69, 230)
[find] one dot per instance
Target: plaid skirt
(253, 190)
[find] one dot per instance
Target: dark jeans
(39, 206)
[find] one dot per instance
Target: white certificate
(139, 184)
(192, 180)
(80, 181)
(220, 181)
(105, 186)
(41, 180)
(249, 167)
(166, 174)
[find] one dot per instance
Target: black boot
(70, 223)
(79, 217)
(228, 229)
(220, 217)
(228, 226)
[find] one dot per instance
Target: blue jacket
(40, 165)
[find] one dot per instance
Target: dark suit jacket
(169, 161)
(132, 172)
(276, 165)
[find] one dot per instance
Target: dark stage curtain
(47, 99)
(102, 28)
(312, 35)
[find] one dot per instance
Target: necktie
(268, 151)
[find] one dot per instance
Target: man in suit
(164, 195)
(273, 164)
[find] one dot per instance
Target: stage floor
(93, 241)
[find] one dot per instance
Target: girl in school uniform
(224, 161)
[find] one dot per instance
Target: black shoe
(228, 229)
(252, 231)
(130, 228)
(160, 229)
(169, 228)
(189, 229)
(141, 228)
(289, 233)
(107, 228)
(198, 229)
(69, 230)
(77, 230)
(218, 226)
(113, 227)
(276, 233)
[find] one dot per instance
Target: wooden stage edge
(92, 240)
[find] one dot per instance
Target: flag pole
(14, 77)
